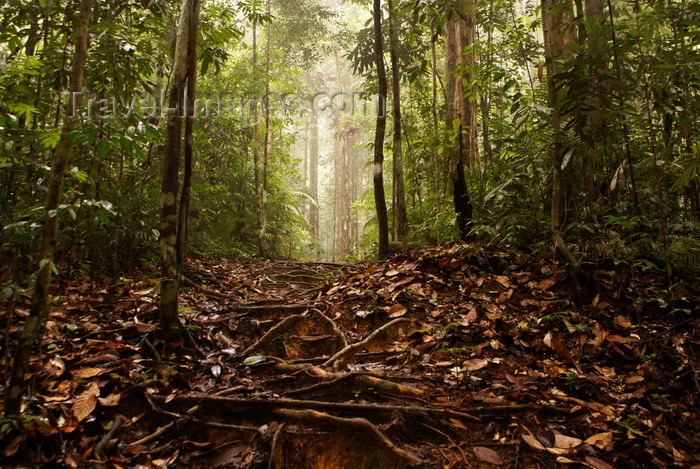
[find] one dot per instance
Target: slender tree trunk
(39, 308)
(552, 24)
(436, 134)
(460, 112)
(184, 213)
(485, 100)
(266, 141)
(379, 197)
(313, 177)
(629, 161)
(256, 146)
(169, 322)
(400, 192)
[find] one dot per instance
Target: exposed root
(363, 425)
(376, 336)
(364, 379)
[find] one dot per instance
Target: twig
(657, 336)
(275, 451)
(100, 448)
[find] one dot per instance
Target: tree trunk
(169, 322)
(39, 308)
(436, 135)
(313, 176)
(379, 197)
(555, 49)
(400, 192)
(266, 141)
(184, 213)
(460, 112)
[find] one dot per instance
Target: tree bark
(184, 213)
(39, 308)
(379, 197)
(553, 26)
(313, 176)
(460, 112)
(399, 189)
(169, 323)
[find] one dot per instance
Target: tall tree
(39, 308)
(190, 111)
(461, 120)
(556, 25)
(313, 175)
(379, 196)
(397, 159)
(169, 283)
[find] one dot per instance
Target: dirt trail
(455, 357)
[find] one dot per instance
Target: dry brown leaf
(503, 280)
(622, 321)
(597, 463)
(547, 283)
(566, 442)
(602, 441)
(458, 424)
(487, 455)
(85, 403)
(397, 310)
(475, 364)
(110, 401)
(88, 372)
(533, 442)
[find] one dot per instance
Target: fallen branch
(351, 350)
(322, 419)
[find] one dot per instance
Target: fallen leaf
(475, 364)
(533, 443)
(88, 372)
(566, 442)
(597, 463)
(621, 321)
(602, 441)
(397, 310)
(110, 401)
(547, 283)
(503, 280)
(487, 455)
(85, 403)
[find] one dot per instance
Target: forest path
(461, 356)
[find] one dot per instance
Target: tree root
(275, 331)
(322, 419)
(209, 292)
(374, 337)
(285, 327)
(240, 403)
(364, 379)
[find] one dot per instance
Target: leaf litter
(459, 356)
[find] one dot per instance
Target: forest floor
(452, 357)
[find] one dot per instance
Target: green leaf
(254, 360)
